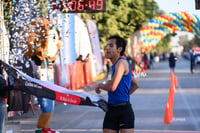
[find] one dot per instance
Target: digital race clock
(78, 6)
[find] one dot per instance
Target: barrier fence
(78, 74)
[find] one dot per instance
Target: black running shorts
(119, 117)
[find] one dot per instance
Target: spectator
(87, 57)
(80, 58)
(46, 105)
(4, 88)
(145, 60)
(108, 67)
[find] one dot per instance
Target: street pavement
(148, 103)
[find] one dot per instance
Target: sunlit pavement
(148, 103)
(100, 131)
(153, 94)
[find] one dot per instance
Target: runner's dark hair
(120, 42)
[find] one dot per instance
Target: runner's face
(111, 49)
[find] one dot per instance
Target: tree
(7, 6)
(123, 17)
(164, 45)
(195, 42)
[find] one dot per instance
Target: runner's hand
(97, 89)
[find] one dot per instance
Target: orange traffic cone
(172, 77)
(171, 103)
(172, 74)
(175, 81)
(167, 119)
(172, 89)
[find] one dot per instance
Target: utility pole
(197, 4)
(4, 41)
(1, 30)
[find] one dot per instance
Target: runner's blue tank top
(121, 94)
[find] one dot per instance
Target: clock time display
(78, 6)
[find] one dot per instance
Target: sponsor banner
(95, 43)
(56, 18)
(83, 43)
(68, 38)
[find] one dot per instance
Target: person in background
(151, 61)
(172, 61)
(87, 58)
(145, 61)
(4, 88)
(80, 57)
(192, 61)
(107, 67)
(46, 105)
(120, 84)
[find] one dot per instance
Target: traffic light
(197, 4)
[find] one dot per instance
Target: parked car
(197, 59)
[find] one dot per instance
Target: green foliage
(7, 5)
(164, 45)
(42, 7)
(195, 42)
(123, 17)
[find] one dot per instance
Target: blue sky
(177, 6)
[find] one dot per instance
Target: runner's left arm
(134, 86)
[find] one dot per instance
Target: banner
(49, 90)
(4, 37)
(95, 43)
(56, 18)
(83, 43)
(68, 38)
